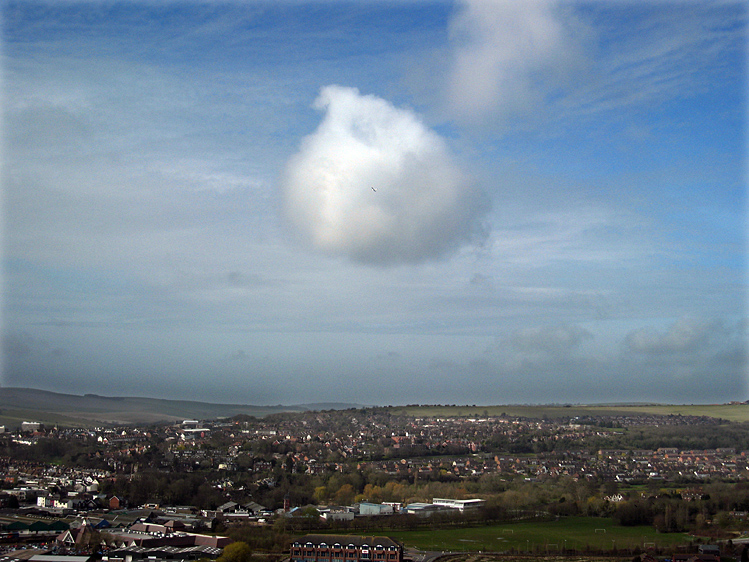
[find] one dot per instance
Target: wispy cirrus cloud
(517, 62)
(508, 57)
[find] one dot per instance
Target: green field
(730, 412)
(572, 533)
(12, 419)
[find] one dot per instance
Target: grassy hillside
(23, 404)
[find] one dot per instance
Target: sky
(375, 202)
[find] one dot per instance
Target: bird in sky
(373, 189)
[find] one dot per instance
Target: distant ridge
(23, 404)
(69, 410)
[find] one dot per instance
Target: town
(200, 485)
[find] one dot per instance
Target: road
(423, 555)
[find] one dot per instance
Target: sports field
(570, 533)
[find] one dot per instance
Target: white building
(30, 426)
(461, 505)
(44, 500)
(337, 514)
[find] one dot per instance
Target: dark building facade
(345, 548)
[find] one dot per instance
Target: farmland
(729, 412)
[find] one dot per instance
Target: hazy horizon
(374, 202)
(345, 405)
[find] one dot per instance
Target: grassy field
(12, 418)
(572, 533)
(731, 412)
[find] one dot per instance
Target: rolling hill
(26, 404)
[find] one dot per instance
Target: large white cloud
(376, 185)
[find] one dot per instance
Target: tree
(90, 541)
(236, 552)
(345, 494)
(311, 513)
(320, 494)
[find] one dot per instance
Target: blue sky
(376, 202)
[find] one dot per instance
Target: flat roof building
(462, 505)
